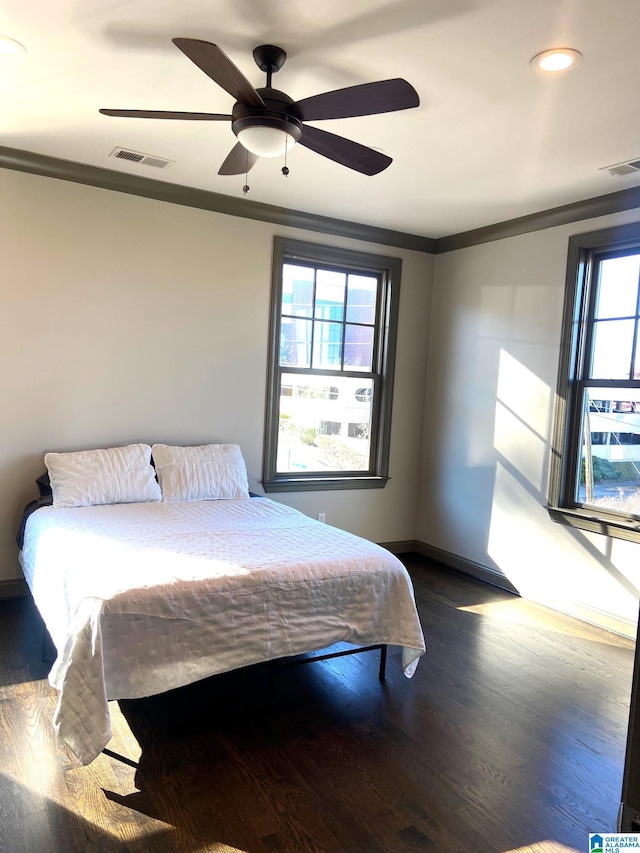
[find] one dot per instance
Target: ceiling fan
(267, 122)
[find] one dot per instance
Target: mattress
(144, 598)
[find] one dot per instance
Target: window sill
(313, 484)
(607, 525)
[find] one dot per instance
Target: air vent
(628, 168)
(137, 157)
(129, 155)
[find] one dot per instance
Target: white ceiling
(491, 140)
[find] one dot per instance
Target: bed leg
(383, 663)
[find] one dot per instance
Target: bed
(143, 596)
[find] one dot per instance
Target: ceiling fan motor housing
(269, 58)
(277, 114)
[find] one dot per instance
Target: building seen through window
(328, 321)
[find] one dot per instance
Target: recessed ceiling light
(11, 47)
(556, 60)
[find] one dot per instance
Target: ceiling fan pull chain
(285, 170)
(246, 187)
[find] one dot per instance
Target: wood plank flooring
(510, 737)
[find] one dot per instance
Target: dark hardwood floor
(510, 737)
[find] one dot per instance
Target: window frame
(389, 269)
(577, 329)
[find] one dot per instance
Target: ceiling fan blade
(217, 65)
(344, 151)
(167, 114)
(385, 96)
(238, 161)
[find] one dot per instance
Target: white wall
(491, 379)
(125, 319)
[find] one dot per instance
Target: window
(331, 358)
(595, 474)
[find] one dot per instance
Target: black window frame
(584, 253)
(389, 270)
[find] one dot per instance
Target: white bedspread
(143, 598)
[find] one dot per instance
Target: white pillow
(89, 477)
(208, 472)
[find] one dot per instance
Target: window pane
(295, 342)
(611, 441)
(361, 299)
(319, 431)
(327, 346)
(612, 343)
(358, 347)
(618, 287)
(330, 293)
(297, 290)
(324, 424)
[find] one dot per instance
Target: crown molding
(109, 179)
(601, 205)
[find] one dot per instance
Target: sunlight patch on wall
(548, 567)
(516, 520)
(521, 419)
(524, 394)
(624, 556)
(520, 446)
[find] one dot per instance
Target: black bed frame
(281, 663)
(297, 661)
(48, 654)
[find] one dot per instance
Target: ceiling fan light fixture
(267, 131)
(11, 47)
(266, 141)
(556, 60)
